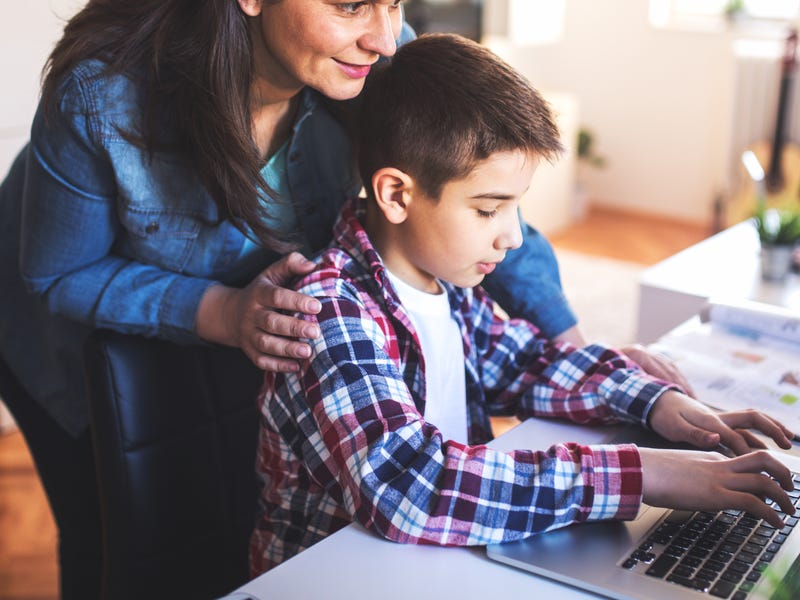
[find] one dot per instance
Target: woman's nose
(383, 30)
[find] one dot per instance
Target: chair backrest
(174, 432)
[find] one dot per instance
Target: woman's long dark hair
(194, 60)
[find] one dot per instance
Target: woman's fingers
(276, 341)
(275, 353)
(271, 296)
(272, 322)
(658, 365)
(287, 268)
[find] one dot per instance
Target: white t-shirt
(443, 349)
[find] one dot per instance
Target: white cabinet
(550, 203)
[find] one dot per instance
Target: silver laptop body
(591, 555)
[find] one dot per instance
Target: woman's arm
(70, 224)
(110, 233)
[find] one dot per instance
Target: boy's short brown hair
(443, 104)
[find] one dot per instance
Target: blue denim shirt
(96, 233)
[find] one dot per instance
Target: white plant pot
(776, 261)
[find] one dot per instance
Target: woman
(181, 147)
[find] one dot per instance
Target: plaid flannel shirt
(344, 438)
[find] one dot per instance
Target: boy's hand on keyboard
(694, 480)
(679, 418)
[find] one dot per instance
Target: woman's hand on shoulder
(679, 418)
(254, 318)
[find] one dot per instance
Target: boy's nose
(511, 236)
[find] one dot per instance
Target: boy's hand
(679, 418)
(693, 480)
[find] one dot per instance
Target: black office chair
(175, 432)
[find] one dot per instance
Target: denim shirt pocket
(161, 238)
(163, 211)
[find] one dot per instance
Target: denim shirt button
(152, 227)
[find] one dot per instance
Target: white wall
(28, 31)
(658, 101)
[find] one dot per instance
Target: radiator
(756, 91)
(757, 80)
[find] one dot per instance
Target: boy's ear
(252, 8)
(392, 190)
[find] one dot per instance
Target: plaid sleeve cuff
(616, 480)
(635, 395)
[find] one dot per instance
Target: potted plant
(586, 149)
(778, 231)
(586, 156)
(734, 9)
(781, 587)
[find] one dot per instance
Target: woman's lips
(354, 71)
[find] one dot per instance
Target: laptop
(662, 554)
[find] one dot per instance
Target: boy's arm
(395, 475)
(522, 371)
(527, 284)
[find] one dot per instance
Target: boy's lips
(354, 71)
(486, 268)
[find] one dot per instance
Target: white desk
(724, 266)
(354, 562)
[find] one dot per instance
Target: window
(711, 14)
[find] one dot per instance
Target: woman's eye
(352, 8)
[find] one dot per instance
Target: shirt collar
(350, 236)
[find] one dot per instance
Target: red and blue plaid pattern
(344, 439)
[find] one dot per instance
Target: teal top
(282, 216)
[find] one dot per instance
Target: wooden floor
(637, 238)
(28, 569)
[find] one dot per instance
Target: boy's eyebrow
(494, 196)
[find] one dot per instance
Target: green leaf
(777, 226)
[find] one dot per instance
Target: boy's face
(462, 237)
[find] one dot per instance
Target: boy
(383, 424)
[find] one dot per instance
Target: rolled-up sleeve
(70, 224)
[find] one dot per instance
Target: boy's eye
(488, 214)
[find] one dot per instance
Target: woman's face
(328, 45)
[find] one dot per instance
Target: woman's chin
(342, 91)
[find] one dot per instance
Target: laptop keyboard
(723, 554)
